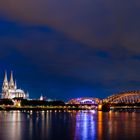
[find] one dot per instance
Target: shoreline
(66, 109)
(40, 109)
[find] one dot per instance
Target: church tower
(11, 83)
(10, 90)
(5, 85)
(15, 85)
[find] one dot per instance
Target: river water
(91, 125)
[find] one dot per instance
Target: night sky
(64, 49)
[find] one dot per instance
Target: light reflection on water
(85, 126)
(16, 125)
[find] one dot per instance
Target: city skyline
(69, 69)
(92, 50)
(11, 81)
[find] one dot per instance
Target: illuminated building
(10, 90)
(41, 98)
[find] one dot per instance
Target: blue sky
(68, 49)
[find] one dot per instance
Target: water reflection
(116, 125)
(15, 125)
(10, 125)
(99, 125)
(85, 126)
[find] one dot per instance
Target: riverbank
(8, 108)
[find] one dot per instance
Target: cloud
(53, 52)
(94, 23)
(71, 45)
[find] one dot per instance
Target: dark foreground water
(16, 125)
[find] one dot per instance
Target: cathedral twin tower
(10, 90)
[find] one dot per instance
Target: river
(81, 125)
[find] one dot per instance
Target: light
(93, 111)
(100, 107)
(19, 104)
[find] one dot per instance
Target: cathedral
(10, 90)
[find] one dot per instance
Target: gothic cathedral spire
(10, 90)
(11, 83)
(15, 85)
(5, 77)
(5, 82)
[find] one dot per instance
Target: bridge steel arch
(124, 97)
(84, 100)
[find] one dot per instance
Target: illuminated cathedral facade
(10, 90)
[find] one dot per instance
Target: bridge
(85, 100)
(127, 99)
(123, 97)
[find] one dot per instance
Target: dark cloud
(96, 23)
(69, 47)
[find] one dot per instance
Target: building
(10, 90)
(41, 98)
